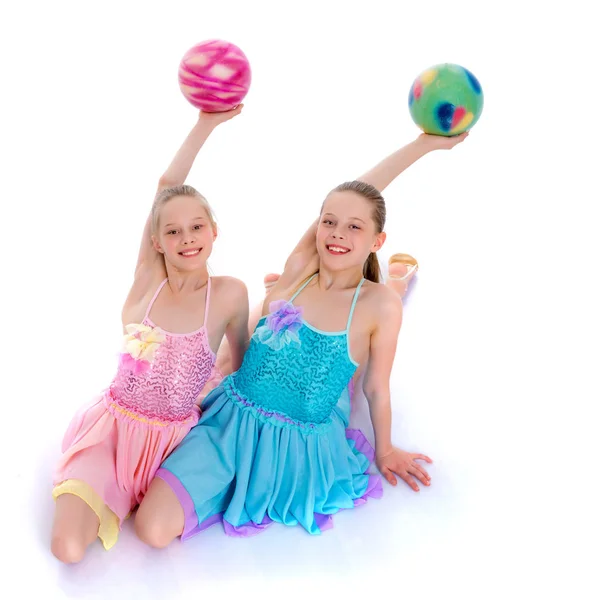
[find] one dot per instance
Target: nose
(189, 238)
(338, 234)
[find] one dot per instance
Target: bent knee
(160, 517)
(154, 533)
(68, 550)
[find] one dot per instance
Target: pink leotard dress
(113, 448)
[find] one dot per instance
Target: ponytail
(371, 270)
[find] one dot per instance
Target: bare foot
(402, 268)
(270, 280)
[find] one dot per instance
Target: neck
(186, 281)
(348, 278)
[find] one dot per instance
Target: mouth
(336, 249)
(190, 253)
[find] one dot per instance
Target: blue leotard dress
(272, 444)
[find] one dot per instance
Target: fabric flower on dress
(281, 325)
(140, 345)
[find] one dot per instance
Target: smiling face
(347, 233)
(184, 232)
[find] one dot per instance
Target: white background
(496, 374)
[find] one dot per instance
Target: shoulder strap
(207, 301)
(160, 287)
(303, 286)
(354, 303)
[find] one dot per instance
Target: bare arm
(237, 329)
(390, 460)
(302, 262)
(150, 267)
(178, 171)
(224, 355)
(235, 342)
(306, 246)
(382, 174)
(376, 385)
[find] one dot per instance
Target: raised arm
(305, 250)
(382, 174)
(178, 171)
(390, 461)
(302, 262)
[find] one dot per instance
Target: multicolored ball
(214, 76)
(445, 100)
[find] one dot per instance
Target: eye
(354, 227)
(198, 227)
(172, 232)
(327, 222)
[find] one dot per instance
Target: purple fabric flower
(281, 326)
(284, 316)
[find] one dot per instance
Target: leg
(75, 528)
(160, 517)
(402, 268)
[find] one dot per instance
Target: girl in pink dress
(174, 319)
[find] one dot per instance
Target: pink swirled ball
(214, 76)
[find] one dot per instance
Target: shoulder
(383, 303)
(229, 287)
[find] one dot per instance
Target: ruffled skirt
(246, 467)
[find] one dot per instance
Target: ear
(379, 241)
(215, 233)
(156, 245)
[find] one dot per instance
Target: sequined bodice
(167, 385)
(170, 386)
(302, 380)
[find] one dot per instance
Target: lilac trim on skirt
(189, 512)
(324, 522)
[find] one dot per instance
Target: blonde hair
(179, 190)
(371, 268)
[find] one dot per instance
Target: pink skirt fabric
(117, 452)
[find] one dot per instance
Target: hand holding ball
(445, 100)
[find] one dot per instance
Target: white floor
(496, 376)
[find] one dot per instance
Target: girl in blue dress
(273, 443)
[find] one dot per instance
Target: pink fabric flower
(140, 345)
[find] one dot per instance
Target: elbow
(376, 393)
(294, 262)
(301, 261)
(370, 395)
(165, 182)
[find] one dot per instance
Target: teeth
(190, 252)
(338, 249)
